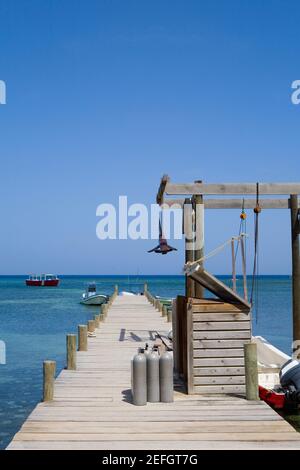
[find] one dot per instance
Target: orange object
(243, 215)
(257, 209)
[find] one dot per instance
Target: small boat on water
(42, 280)
(90, 296)
(278, 376)
(164, 300)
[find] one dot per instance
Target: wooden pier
(92, 406)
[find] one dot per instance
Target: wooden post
(116, 289)
(233, 265)
(164, 311)
(49, 368)
(96, 320)
(199, 237)
(244, 266)
(91, 326)
(189, 251)
(251, 371)
(145, 288)
(175, 335)
(82, 338)
(104, 309)
(295, 269)
(101, 317)
(169, 315)
(71, 352)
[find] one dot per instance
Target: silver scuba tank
(166, 377)
(139, 379)
(153, 392)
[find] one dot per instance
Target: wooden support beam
(199, 238)
(71, 352)
(189, 251)
(161, 189)
(49, 368)
(237, 203)
(232, 188)
(82, 338)
(251, 371)
(295, 269)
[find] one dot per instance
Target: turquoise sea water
(35, 321)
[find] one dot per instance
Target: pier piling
(49, 368)
(82, 338)
(71, 352)
(91, 326)
(251, 371)
(96, 320)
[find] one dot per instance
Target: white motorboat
(90, 296)
(270, 360)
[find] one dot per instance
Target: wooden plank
(219, 380)
(204, 371)
(214, 285)
(166, 436)
(142, 428)
(221, 316)
(216, 305)
(228, 334)
(160, 193)
(232, 188)
(222, 344)
(220, 389)
(236, 203)
(219, 361)
(220, 353)
(155, 445)
(221, 326)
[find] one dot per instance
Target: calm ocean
(34, 322)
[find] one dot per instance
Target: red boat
(42, 280)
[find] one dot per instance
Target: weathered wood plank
(214, 344)
(155, 445)
(218, 361)
(229, 370)
(219, 353)
(220, 389)
(219, 380)
(221, 326)
(232, 188)
(237, 203)
(166, 436)
(229, 334)
(220, 316)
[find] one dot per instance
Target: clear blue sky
(104, 96)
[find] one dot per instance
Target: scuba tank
(139, 378)
(153, 392)
(166, 377)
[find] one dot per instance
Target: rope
(242, 230)
(216, 250)
(254, 287)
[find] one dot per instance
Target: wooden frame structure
(246, 195)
